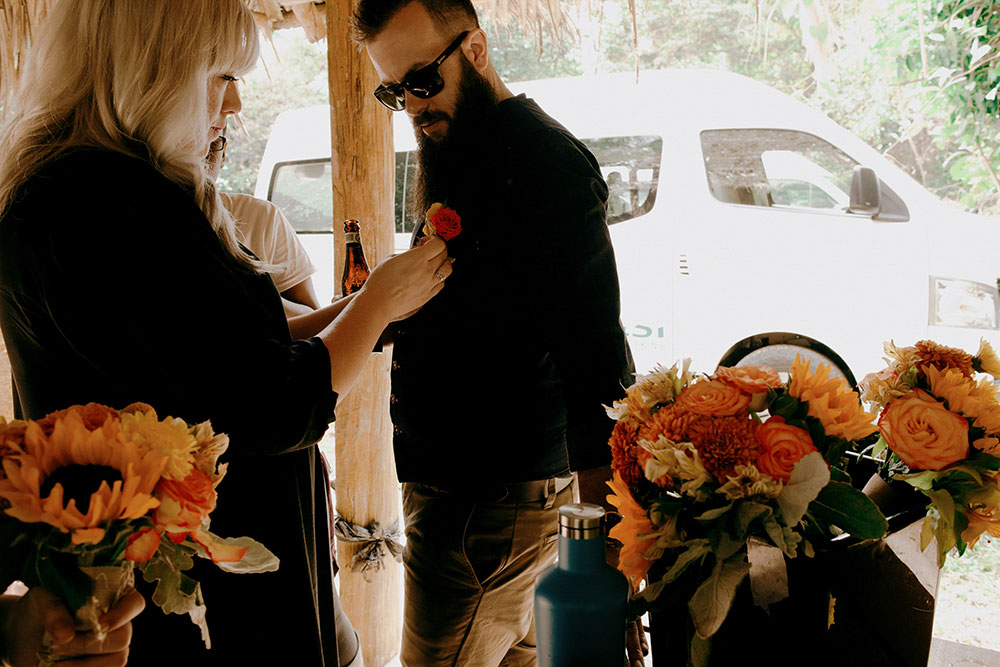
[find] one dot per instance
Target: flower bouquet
(711, 489)
(89, 492)
(940, 433)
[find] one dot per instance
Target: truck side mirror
(866, 192)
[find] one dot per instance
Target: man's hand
(25, 620)
(636, 645)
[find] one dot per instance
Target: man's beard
(444, 164)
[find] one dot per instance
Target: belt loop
(550, 493)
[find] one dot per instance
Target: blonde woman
(121, 280)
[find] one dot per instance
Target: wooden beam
(367, 489)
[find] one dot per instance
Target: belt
(514, 492)
(540, 489)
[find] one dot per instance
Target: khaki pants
(470, 574)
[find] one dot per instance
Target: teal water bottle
(580, 602)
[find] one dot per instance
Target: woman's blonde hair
(130, 76)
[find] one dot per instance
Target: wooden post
(367, 489)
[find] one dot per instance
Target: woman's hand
(24, 621)
(402, 283)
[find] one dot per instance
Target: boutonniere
(442, 221)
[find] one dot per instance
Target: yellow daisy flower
(831, 401)
(170, 439)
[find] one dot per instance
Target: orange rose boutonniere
(442, 221)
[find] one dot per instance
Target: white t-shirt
(267, 233)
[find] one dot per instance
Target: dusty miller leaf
(809, 476)
(711, 602)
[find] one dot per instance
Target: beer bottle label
(352, 237)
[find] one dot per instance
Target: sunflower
(974, 400)
(77, 479)
(941, 357)
(635, 531)
(986, 359)
(831, 401)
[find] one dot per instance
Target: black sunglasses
(423, 83)
(217, 144)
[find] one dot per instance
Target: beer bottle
(355, 267)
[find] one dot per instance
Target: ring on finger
(439, 275)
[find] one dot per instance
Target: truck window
(631, 167)
(303, 190)
(779, 168)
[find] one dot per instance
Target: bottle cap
(581, 521)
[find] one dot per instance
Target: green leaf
(850, 510)
(775, 532)
(711, 602)
(809, 475)
(695, 551)
(921, 480)
(785, 406)
(880, 446)
(927, 531)
(955, 473)
(838, 475)
(746, 512)
(820, 32)
(835, 448)
(715, 513)
(984, 460)
(701, 651)
(59, 573)
(945, 531)
(725, 545)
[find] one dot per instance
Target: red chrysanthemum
(724, 443)
(941, 357)
(627, 457)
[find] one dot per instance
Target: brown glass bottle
(355, 267)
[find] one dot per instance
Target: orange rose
(184, 504)
(446, 222)
(924, 433)
(142, 544)
(782, 445)
(713, 399)
(751, 379)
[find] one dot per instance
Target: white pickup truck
(742, 225)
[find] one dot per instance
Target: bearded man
(498, 384)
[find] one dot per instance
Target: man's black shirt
(502, 377)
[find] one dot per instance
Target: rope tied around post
(375, 541)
